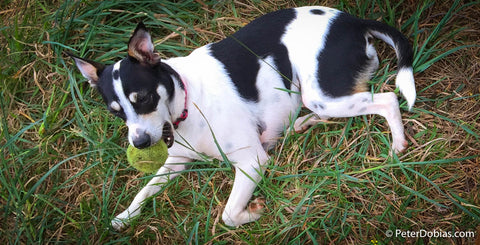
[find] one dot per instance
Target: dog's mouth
(167, 134)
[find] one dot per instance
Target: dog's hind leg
(384, 104)
(170, 170)
(248, 172)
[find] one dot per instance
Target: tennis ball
(148, 160)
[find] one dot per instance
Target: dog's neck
(179, 114)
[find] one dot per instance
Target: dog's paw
(252, 213)
(303, 123)
(121, 222)
(300, 127)
(118, 224)
(400, 146)
(257, 205)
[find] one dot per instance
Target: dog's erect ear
(140, 46)
(91, 70)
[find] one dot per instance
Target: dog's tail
(404, 81)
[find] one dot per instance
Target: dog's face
(139, 89)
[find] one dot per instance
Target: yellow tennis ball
(150, 159)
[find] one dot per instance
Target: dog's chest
(218, 108)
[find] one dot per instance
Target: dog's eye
(145, 99)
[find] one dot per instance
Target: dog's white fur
(215, 105)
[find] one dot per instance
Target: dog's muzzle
(167, 134)
(143, 141)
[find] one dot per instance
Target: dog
(235, 97)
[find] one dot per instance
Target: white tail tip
(406, 83)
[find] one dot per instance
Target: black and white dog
(246, 88)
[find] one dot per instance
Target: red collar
(184, 114)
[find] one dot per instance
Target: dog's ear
(140, 46)
(91, 70)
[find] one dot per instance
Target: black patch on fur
(343, 56)
(116, 74)
(105, 88)
(317, 11)
(144, 80)
(239, 52)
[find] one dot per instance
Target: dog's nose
(142, 141)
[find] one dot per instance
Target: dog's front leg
(169, 171)
(248, 173)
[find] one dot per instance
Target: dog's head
(140, 89)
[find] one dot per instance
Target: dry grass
(63, 174)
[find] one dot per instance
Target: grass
(64, 176)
